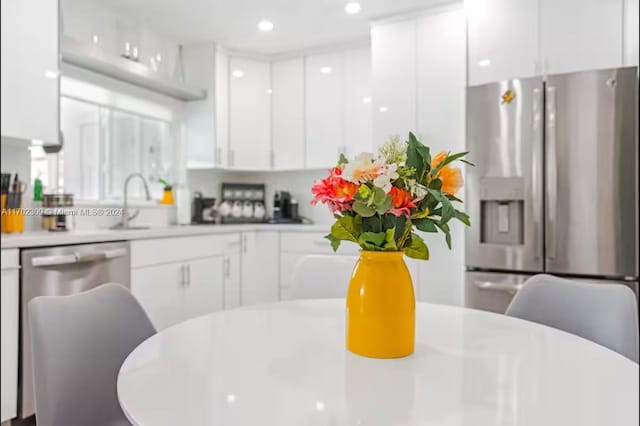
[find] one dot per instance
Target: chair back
(322, 276)
(78, 344)
(606, 314)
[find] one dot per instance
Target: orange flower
(451, 177)
(334, 191)
(401, 201)
(399, 197)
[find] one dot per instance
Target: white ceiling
(299, 24)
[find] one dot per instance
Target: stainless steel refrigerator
(555, 187)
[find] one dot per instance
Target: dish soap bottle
(167, 194)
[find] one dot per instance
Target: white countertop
(46, 238)
(285, 364)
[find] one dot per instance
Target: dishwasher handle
(60, 259)
(73, 258)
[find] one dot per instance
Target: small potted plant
(379, 201)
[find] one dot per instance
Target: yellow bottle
(381, 306)
(167, 196)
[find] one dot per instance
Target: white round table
(285, 364)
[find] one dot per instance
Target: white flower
(365, 167)
(389, 173)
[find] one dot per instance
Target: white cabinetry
(259, 267)
(503, 40)
(178, 278)
(393, 50)
(521, 38)
(203, 118)
(579, 35)
(441, 82)
(631, 32)
(287, 103)
(10, 300)
(324, 109)
(30, 75)
(358, 127)
(249, 114)
(232, 272)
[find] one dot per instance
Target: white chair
(603, 313)
(322, 276)
(79, 343)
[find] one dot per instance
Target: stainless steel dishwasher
(62, 271)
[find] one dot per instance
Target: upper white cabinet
(393, 50)
(441, 81)
(631, 31)
(249, 114)
(521, 38)
(358, 126)
(581, 35)
(200, 116)
(502, 39)
(324, 109)
(287, 104)
(30, 70)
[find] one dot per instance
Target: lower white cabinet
(232, 281)
(175, 292)
(9, 299)
(259, 267)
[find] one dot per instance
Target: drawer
(10, 259)
(166, 250)
(313, 243)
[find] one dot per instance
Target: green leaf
(425, 225)
(375, 238)
(390, 241)
(447, 209)
(463, 217)
(345, 229)
(363, 194)
(342, 160)
(453, 198)
(363, 209)
(447, 160)
(417, 249)
(335, 243)
(467, 162)
(447, 233)
(418, 156)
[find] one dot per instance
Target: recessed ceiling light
(366, 100)
(269, 91)
(326, 70)
(231, 398)
(352, 7)
(265, 25)
(237, 73)
(320, 406)
(383, 109)
(51, 74)
(484, 63)
(95, 39)
(158, 57)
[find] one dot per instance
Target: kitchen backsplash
(298, 183)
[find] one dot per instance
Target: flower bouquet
(379, 200)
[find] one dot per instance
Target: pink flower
(334, 191)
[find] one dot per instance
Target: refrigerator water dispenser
(502, 211)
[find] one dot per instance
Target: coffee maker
(285, 208)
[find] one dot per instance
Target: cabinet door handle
(182, 276)
(244, 244)
(188, 275)
(218, 156)
(231, 158)
(227, 267)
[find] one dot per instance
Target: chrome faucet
(124, 224)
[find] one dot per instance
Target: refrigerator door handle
(536, 179)
(490, 285)
(552, 173)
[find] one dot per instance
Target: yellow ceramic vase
(381, 306)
